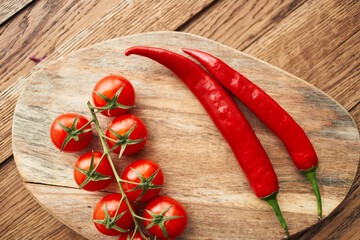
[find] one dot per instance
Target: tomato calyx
(160, 219)
(92, 174)
(111, 103)
(72, 132)
(124, 140)
(109, 222)
(145, 183)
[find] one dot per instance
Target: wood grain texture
(309, 39)
(40, 29)
(28, 35)
(339, 225)
(10, 7)
(176, 139)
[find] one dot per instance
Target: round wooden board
(199, 168)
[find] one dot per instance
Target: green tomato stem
(118, 179)
(125, 181)
(142, 218)
(88, 123)
(97, 165)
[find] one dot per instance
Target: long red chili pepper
(268, 111)
(228, 119)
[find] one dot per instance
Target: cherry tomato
(58, 134)
(128, 235)
(104, 168)
(112, 202)
(123, 124)
(108, 86)
(145, 168)
(174, 227)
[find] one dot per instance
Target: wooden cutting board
(199, 168)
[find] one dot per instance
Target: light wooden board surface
(10, 7)
(175, 119)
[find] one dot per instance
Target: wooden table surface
(317, 40)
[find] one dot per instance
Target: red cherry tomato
(145, 168)
(128, 235)
(123, 124)
(174, 227)
(112, 202)
(104, 168)
(58, 134)
(108, 86)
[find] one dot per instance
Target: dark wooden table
(318, 41)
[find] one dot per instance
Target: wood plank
(339, 81)
(238, 23)
(63, 22)
(179, 133)
(21, 216)
(8, 8)
(41, 28)
(301, 37)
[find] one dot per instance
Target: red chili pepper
(268, 111)
(228, 119)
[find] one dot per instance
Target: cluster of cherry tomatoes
(115, 214)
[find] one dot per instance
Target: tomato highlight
(113, 95)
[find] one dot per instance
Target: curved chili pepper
(269, 112)
(227, 118)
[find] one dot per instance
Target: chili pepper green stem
(311, 174)
(271, 200)
(118, 179)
